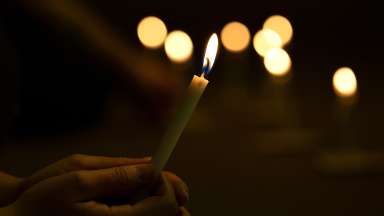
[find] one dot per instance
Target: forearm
(9, 188)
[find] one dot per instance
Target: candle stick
(346, 157)
(180, 120)
(345, 87)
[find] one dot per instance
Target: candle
(345, 86)
(178, 123)
(346, 156)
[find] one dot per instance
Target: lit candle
(345, 86)
(178, 123)
(346, 156)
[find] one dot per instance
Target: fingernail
(186, 194)
(185, 191)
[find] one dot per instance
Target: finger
(88, 162)
(92, 208)
(180, 187)
(163, 204)
(113, 182)
(80, 162)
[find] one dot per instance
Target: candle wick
(206, 67)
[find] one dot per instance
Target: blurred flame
(210, 53)
(265, 40)
(235, 36)
(178, 46)
(151, 32)
(281, 26)
(344, 82)
(277, 62)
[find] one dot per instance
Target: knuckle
(122, 175)
(77, 160)
(81, 180)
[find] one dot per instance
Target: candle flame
(210, 53)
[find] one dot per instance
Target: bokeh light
(235, 36)
(266, 39)
(277, 62)
(344, 82)
(178, 46)
(151, 32)
(281, 26)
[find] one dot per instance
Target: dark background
(253, 146)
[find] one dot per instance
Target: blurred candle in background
(152, 32)
(266, 39)
(279, 108)
(281, 26)
(277, 62)
(344, 82)
(345, 87)
(236, 63)
(178, 46)
(235, 36)
(343, 155)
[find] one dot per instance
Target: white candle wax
(173, 133)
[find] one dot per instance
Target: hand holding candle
(178, 123)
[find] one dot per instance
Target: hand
(84, 162)
(80, 162)
(74, 193)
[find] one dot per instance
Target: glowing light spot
(151, 32)
(235, 36)
(281, 26)
(277, 62)
(178, 46)
(344, 82)
(265, 40)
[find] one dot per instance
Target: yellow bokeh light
(178, 46)
(235, 36)
(281, 26)
(277, 62)
(266, 39)
(151, 32)
(344, 82)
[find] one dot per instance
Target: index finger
(80, 162)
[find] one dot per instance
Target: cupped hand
(76, 193)
(54, 188)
